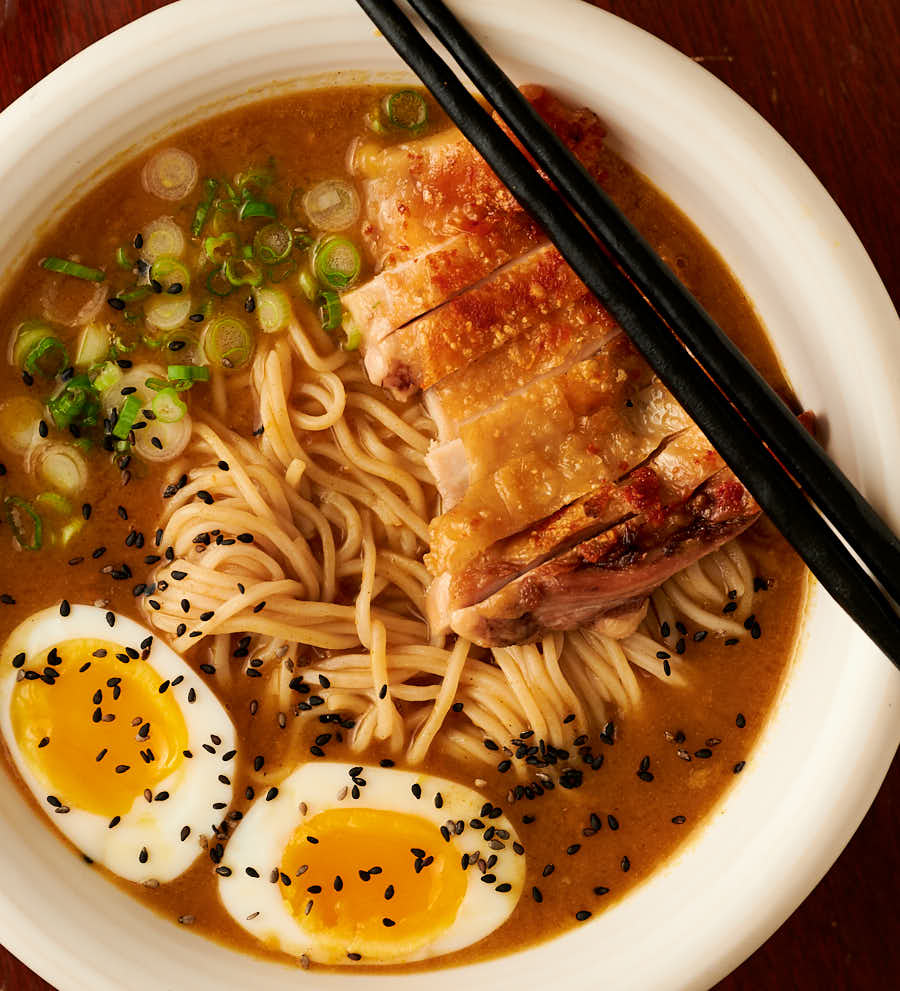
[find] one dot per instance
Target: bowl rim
(780, 174)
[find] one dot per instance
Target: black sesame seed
(582, 915)
(679, 820)
(739, 766)
(600, 890)
(625, 865)
(64, 608)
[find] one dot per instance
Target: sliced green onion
(156, 384)
(256, 208)
(209, 191)
(122, 259)
(172, 439)
(167, 407)
(135, 294)
(188, 373)
(171, 174)
(24, 522)
(167, 312)
(332, 205)
(76, 402)
(28, 333)
(242, 272)
(330, 310)
(48, 357)
(107, 376)
(67, 267)
(93, 345)
(307, 283)
(407, 110)
(228, 342)
(162, 237)
(273, 243)
(217, 284)
(353, 334)
(55, 502)
(336, 262)
(273, 310)
(61, 466)
(222, 246)
(168, 271)
(127, 416)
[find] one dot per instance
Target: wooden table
(827, 76)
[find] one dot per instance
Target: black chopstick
(799, 453)
(728, 431)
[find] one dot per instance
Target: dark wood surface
(826, 74)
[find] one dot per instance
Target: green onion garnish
(407, 110)
(221, 247)
(189, 373)
(242, 272)
(256, 208)
(209, 188)
(168, 271)
(47, 357)
(273, 243)
(123, 261)
(273, 310)
(66, 266)
(107, 376)
(217, 284)
(77, 402)
(156, 384)
(167, 407)
(127, 416)
(228, 342)
(29, 333)
(307, 284)
(132, 295)
(336, 262)
(330, 310)
(24, 522)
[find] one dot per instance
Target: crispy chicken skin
(618, 567)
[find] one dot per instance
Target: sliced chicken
(612, 571)
(499, 308)
(606, 445)
(681, 466)
(542, 416)
(553, 345)
(437, 219)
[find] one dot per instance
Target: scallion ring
(273, 243)
(128, 414)
(167, 407)
(407, 110)
(228, 342)
(48, 357)
(336, 262)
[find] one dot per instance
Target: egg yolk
(379, 882)
(98, 731)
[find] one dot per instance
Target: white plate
(827, 749)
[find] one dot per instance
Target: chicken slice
(612, 571)
(682, 465)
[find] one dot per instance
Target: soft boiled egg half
(120, 743)
(372, 865)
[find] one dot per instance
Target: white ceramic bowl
(829, 744)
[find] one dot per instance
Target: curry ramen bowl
(368, 606)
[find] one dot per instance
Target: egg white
(194, 787)
(267, 827)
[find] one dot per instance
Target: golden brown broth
(308, 136)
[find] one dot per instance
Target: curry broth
(692, 741)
